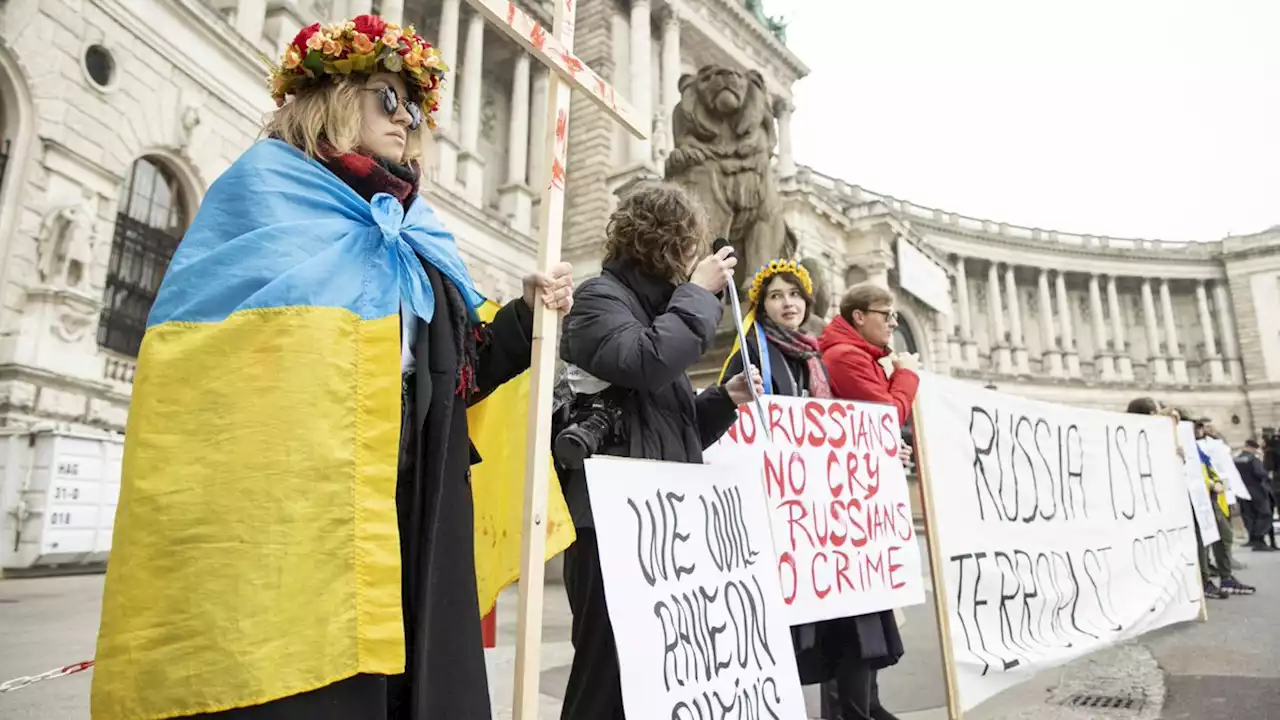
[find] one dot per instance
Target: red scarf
(369, 176)
(800, 347)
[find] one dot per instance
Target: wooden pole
(936, 569)
(555, 50)
(546, 330)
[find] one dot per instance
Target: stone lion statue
(724, 136)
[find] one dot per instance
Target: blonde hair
(330, 111)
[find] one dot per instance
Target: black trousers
(1256, 514)
(594, 691)
(854, 694)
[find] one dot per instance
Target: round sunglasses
(391, 102)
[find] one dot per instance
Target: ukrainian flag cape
(256, 552)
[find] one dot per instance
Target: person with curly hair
(633, 332)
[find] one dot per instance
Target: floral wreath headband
(778, 267)
(365, 44)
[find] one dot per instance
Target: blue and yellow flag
(256, 550)
(497, 485)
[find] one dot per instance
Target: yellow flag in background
(498, 429)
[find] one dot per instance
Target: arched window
(903, 340)
(151, 220)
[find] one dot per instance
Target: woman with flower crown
(294, 537)
(843, 654)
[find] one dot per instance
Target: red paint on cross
(557, 174)
(538, 36)
(573, 64)
(511, 13)
(562, 126)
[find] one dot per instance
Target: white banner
(689, 579)
(1225, 465)
(1061, 530)
(1193, 471)
(838, 501)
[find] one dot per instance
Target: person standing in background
(1257, 511)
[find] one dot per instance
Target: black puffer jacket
(641, 334)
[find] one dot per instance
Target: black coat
(1253, 473)
(444, 650)
(642, 334)
(823, 647)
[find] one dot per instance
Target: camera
(594, 422)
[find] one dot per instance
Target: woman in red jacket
(856, 341)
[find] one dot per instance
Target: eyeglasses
(890, 315)
(391, 102)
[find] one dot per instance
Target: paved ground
(1226, 668)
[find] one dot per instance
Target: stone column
(999, 346)
(1216, 375)
(1071, 357)
(1226, 325)
(251, 15)
(641, 82)
(445, 134)
(786, 157)
(1177, 361)
(472, 64)
(1159, 368)
(1105, 363)
(969, 348)
(515, 197)
(1052, 357)
(1124, 363)
(1020, 363)
(357, 7)
(393, 11)
(670, 68)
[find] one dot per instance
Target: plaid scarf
(369, 176)
(803, 348)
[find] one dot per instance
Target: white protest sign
(1193, 471)
(838, 502)
(690, 583)
(1225, 465)
(1060, 530)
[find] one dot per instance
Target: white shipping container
(58, 495)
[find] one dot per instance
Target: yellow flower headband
(364, 44)
(778, 267)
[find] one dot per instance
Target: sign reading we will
(697, 614)
(838, 503)
(1061, 530)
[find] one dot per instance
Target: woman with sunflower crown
(843, 654)
(294, 535)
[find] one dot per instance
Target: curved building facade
(1087, 320)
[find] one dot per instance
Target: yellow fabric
(1210, 478)
(748, 323)
(499, 430)
(255, 551)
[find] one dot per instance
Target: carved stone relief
(66, 247)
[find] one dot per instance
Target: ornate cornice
(735, 34)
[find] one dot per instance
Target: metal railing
(4, 158)
(140, 256)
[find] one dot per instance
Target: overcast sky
(1128, 118)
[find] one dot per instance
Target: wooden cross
(554, 50)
